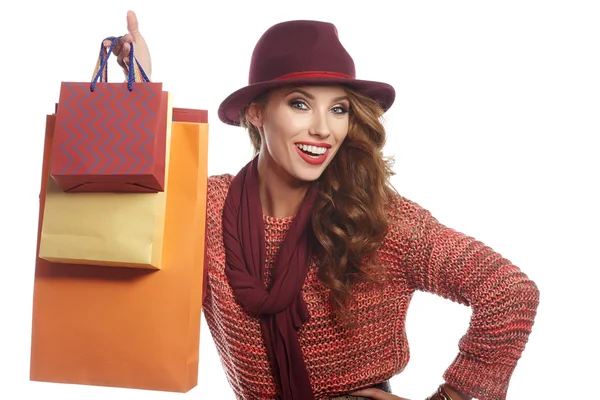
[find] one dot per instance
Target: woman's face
(302, 128)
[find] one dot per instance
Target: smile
(311, 150)
(313, 154)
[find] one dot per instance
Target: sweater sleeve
(503, 300)
(217, 188)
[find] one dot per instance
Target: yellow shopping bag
(104, 228)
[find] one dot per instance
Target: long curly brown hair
(349, 219)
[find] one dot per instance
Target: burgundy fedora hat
(300, 53)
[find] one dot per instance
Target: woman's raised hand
(140, 48)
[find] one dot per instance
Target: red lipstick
(313, 160)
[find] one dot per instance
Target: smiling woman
(312, 258)
(302, 128)
(297, 133)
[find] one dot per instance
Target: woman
(312, 258)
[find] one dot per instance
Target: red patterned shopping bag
(111, 137)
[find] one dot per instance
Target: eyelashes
(343, 110)
(301, 105)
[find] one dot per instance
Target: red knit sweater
(421, 254)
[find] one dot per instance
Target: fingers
(369, 393)
(123, 45)
(121, 49)
(375, 394)
(132, 25)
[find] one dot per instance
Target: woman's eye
(339, 110)
(299, 104)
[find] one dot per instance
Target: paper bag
(127, 327)
(105, 228)
(110, 136)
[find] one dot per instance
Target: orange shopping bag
(129, 327)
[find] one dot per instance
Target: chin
(306, 173)
(308, 176)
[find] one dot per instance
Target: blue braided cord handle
(102, 71)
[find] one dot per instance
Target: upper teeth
(312, 149)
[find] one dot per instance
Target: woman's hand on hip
(376, 394)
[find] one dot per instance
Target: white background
(495, 130)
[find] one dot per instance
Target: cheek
(281, 128)
(340, 131)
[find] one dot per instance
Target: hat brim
(230, 108)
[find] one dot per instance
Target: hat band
(313, 74)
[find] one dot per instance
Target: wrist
(455, 394)
(447, 392)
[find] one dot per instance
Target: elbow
(522, 293)
(524, 299)
(531, 294)
(513, 304)
(525, 303)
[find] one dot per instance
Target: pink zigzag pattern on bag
(91, 147)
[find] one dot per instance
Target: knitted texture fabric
(419, 254)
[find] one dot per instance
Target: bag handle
(135, 71)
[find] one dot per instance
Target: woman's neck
(280, 193)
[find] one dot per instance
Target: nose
(320, 126)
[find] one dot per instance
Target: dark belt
(385, 386)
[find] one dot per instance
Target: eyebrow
(310, 96)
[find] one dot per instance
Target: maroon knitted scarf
(281, 307)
